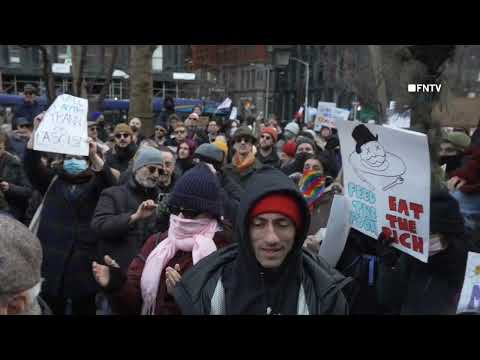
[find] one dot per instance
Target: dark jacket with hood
(118, 158)
(231, 281)
(117, 238)
(69, 245)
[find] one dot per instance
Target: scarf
(312, 186)
(195, 236)
(245, 164)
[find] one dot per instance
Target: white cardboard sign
(325, 115)
(63, 129)
(470, 297)
(338, 227)
(387, 179)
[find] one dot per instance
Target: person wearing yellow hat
(222, 145)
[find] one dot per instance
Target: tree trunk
(79, 60)
(375, 52)
(141, 86)
(96, 105)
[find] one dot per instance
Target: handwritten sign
(470, 296)
(387, 179)
(325, 115)
(63, 129)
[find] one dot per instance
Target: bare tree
(47, 73)
(141, 86)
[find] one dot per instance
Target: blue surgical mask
(75, 166)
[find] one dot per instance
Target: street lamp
(307, 67)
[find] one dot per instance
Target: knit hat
(198, 189)
(290, 148)
(293, 128)
(306, 140)
(23, 121)
(145, 156)
(209, 153)
(244, 131)
(445, 216)
(20, 257)
(279, 203)
(460, 140)
(122, 128)
(222, 145)
(272, 132)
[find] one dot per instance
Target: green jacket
(242, 178)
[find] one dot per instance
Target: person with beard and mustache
(452, 151)
(267, 153)
(124, 217)
(266, 271)
(185, 153)
(119, 157)
(196, 230)
(136, 125)
(71, 191)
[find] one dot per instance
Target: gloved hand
(387, 254)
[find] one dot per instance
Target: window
(14, 54)
(157, 59)
(61, 53)
(260, 75)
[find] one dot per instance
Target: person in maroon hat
(287, 155)
(266, 153)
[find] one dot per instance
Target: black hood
(250, 289)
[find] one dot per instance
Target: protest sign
(225, 104)
(470, 296)
(387, 179)
(341, 114)
(399, 120)
(233, 113)
(63, 129)
(338, 227)
(325, 115)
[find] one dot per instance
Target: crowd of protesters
(224, 217)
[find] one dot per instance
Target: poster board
(63, 129)
(387, 179)
(338, 227)
(325, 115)
(470, 296)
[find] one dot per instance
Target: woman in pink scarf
(195, 232)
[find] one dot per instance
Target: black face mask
(453, 162)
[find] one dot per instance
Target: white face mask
(436, 245)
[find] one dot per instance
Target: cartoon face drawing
(373, 155)
(371, 159)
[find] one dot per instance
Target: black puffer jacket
(117, 238)
(231, 281)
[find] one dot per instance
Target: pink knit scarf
(195, 236)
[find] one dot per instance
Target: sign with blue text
(470, 297)
(63, 129)
(386, 174)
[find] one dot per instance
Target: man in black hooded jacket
(266, 271)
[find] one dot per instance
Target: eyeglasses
(119, 136)
(246, 140)
(187, 213)
(154, 169)
(265, 137)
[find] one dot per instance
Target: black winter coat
(117, 238)
(273, 160)
(231, 281)
(120, 160)
(15, 200)
(69, 246)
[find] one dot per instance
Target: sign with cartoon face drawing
(470, 297)
(387, 179)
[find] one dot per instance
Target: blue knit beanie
(198, 189)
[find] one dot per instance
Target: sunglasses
(24, 126)
(160, 129)
(266, 137)
(119, 136)
(154, 169)
(187, 213)
(246, 140)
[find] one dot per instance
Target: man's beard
(146, 181)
